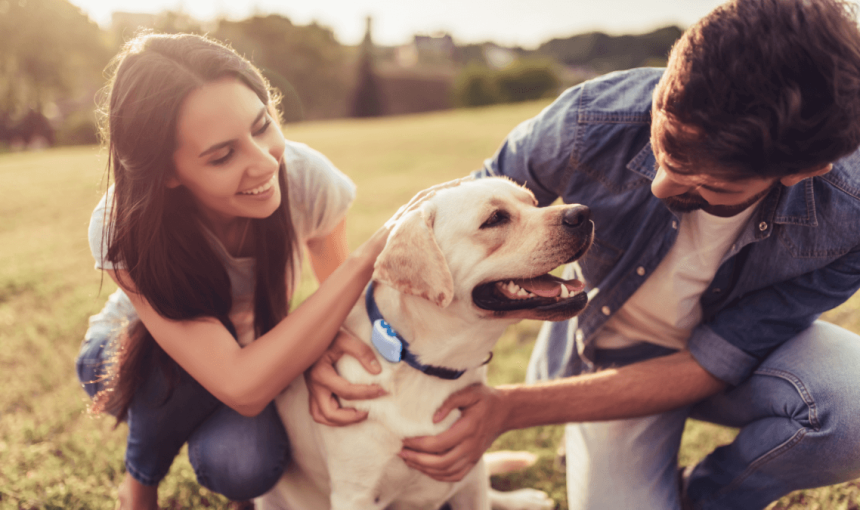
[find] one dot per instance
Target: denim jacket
(798, 256)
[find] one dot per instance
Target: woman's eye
(265, 127)
(223, 159)
(496, 219)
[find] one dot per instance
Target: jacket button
(606, 310)
(674, 224)
(762, 226)
(640, 271)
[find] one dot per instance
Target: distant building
(434, 47)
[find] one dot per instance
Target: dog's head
(487, 244)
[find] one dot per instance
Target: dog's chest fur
(413, 397)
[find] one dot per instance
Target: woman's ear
(791, 180)
(172, 182)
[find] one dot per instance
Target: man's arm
(640, 389)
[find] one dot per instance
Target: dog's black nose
(576, 216)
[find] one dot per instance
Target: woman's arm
(328, 252)
(247, 379)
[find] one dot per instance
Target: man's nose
(664, 187)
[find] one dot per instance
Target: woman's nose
(263, 158)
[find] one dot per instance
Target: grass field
(54, 455)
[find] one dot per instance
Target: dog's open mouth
(546, 293)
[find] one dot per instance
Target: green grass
(54, 455)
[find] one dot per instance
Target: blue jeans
(798, 417)
(233, 455)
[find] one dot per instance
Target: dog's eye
(496, 219)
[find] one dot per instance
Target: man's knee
(821, 364)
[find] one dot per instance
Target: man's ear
(791, 180)
(413, 263)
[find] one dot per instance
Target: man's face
(715, 192)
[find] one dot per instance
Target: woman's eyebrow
(217, 146)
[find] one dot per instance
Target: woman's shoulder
(310, 172)
(320, 193)
(304, 161)
(99, 228)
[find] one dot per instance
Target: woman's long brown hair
(155, 232)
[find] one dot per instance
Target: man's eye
(496, 219)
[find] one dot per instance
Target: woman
(203, 232)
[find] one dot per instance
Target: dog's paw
(505, 461)
(522, 499)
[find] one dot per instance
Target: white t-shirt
(319, 196)
(666, 308)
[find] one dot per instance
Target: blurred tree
(49, 50)
(175, 22)
(366, 98)
(526, 80)
(305, 63)
(521, 80)
(476, 86)
(604, 53)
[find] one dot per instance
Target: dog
(455, 272)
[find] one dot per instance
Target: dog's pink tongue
(549, 285)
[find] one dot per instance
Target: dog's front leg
(473, 491)
(364, 469)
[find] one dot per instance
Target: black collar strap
(389, 338)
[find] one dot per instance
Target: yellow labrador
(470, 261)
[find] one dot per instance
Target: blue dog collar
(394, 348)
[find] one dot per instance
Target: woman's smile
(229, 153)
(262, 189)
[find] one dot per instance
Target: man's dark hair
(762, 88)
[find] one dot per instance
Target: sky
(525, 23)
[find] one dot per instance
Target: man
(725, 193)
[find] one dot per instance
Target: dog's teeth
(522, 293)
(564, 292)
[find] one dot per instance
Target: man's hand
(325, 384)
(449, 456)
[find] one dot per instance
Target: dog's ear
(412, 262)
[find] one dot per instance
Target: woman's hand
(325, 384)
(449, 456)
(421, 196)
(373, 247)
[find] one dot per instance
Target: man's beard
(688, 202)
(685, 203)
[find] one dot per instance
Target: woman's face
(228, 153)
